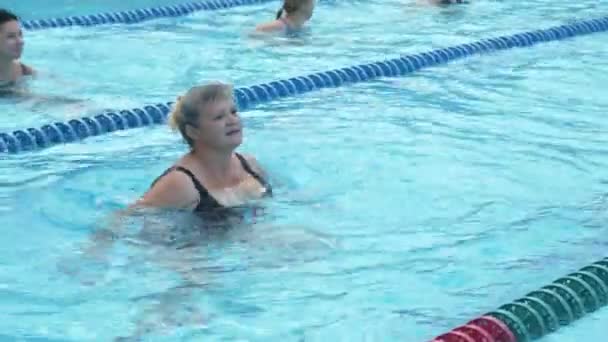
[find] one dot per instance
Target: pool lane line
(246, 97)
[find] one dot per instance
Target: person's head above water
(291, 16)
(207, 118)
(296, 8)
(11, 48)
(11, 36)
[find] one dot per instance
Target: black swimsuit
(208, 204)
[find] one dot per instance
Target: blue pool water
(404, 206)
(64, 8)
(154, 61)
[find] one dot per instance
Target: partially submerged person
(11, 48)
(13, 72)
(212, 178)
(291, 17)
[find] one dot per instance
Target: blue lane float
(136, 15)
(246, 97)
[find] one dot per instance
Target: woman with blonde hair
(212, 177)
(291, 16)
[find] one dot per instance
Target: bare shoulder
(25, 70)
(270, 26)
(173, 190)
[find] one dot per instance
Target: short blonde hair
(189, 107)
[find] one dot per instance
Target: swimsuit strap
(205, 201)
(250, 171)
(197, 185)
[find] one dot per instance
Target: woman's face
(220, 125)
(11, 40)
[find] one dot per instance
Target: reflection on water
(41, 100)
(188, 259)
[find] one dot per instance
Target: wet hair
(289, 6)
(6, 16)
(189, 107)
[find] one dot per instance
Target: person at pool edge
(11, 48)
(212, 175)
(291, 16)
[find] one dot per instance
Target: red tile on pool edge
(497, 329)
(455, 336)
(478, 333)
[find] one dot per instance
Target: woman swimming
(11, 48)
(212, 178)
(291, 16)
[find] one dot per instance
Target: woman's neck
(295, 21)
(216, 165)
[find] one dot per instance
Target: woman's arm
(172, 191)
(272, 26)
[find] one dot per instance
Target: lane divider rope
(136, 15)
(540, 312)
(77, 129)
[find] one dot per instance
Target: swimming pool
(210, 45)
(404, 206)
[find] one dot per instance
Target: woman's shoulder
(25, 69)
(171, 188)
(274, 25)
(253, 164)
